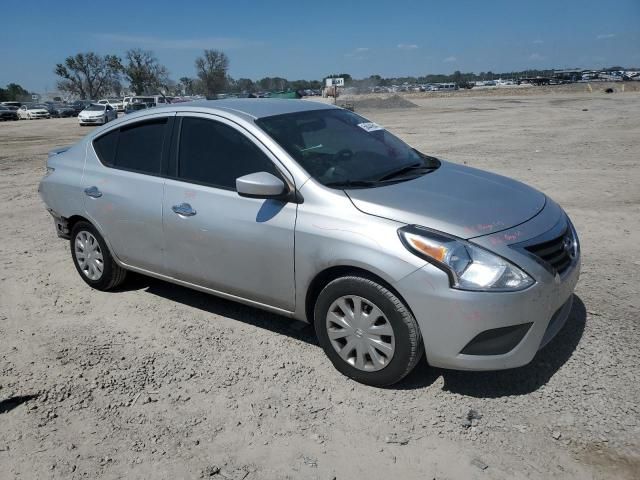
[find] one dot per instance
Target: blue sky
(298, 39)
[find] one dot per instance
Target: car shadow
(226, 308)
(13, 402)
(517, 381)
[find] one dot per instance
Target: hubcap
(360, 333)
(89, 255)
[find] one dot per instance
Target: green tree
(13, 92)
(245, 85)
(144, 73)
(88, 75)
(211, 69)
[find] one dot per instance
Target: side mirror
(260, 185)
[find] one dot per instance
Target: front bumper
(451, 319)
(91, 121)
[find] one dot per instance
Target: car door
(123, 189)
(214, 238)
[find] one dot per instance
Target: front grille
(557, 252)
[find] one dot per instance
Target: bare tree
(145, 74)
(188, 85)
(212, 71)
(88, 75)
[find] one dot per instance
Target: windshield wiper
(402, 170)
(352, 183)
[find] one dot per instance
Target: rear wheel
(92, 258)
(367, 331)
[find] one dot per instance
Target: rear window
(136, 147)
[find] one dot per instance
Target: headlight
(469, 267)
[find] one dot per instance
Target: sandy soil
(157, 381)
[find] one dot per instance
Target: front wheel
(367, 332)
(92, 258)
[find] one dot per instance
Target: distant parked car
(136, 107)
(32, 112)
(116, 103)
(59, 110)
(97, 115)
(8, 114)
(65, 111)
(12, 105)
(80, 105)
(151, 100)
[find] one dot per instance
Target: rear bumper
(452, 321)
(61, 224)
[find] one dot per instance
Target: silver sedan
(321, 215)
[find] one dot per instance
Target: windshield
(95, 108)
(340, 148)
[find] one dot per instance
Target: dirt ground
(157, 381)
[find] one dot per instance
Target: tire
(405, 341)
(112, 274)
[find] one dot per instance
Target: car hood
(454, 199)
(92, 114)
(37, 110)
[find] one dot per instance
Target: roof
(259, 107)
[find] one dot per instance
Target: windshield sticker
(370, 126)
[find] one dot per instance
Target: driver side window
(214, 154)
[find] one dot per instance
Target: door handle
(93, 192)
(184, 210)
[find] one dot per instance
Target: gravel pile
(381, 103)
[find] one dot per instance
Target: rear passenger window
(105, 147)
(140, 147)
(212, 153)
(136, 147)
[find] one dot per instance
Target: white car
(30, 112)
(97, 114)
(116, 103)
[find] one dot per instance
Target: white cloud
(407, 46)
(602, 36)
(159, 43)
(536, 56)
(357, 53)
(450, 59)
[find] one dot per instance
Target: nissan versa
(316, 213)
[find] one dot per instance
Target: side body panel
(129, 212)
(240, 246)
(331, 232)
(61, 191)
